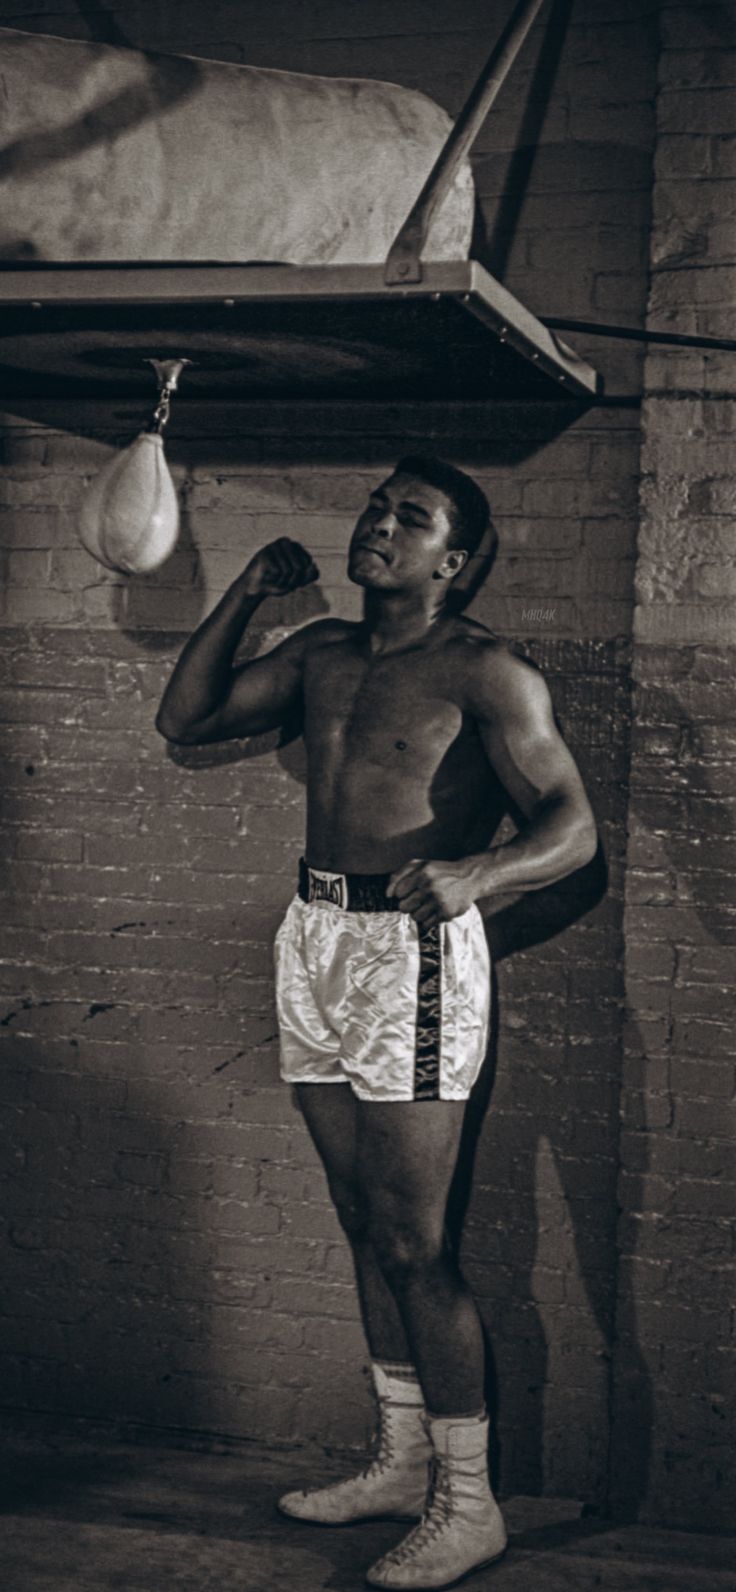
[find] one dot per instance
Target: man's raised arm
(206, 699)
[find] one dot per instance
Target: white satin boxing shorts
(367, 997)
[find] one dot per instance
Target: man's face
(401, 537)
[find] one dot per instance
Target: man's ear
(453, 562)
(473, 574)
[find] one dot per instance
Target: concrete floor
(85, 1516)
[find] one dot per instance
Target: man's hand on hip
(433, 892)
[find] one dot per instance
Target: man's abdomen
(371, 823)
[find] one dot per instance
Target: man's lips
(365, 547)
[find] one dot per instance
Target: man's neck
(401, 619)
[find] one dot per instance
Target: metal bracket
(403, 262)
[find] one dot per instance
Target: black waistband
(354, 892)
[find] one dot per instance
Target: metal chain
(168, 372)
(161, 413)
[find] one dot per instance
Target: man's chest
(378, 709)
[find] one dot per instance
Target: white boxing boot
(394, 1484)
(463, 1527)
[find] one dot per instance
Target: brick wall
(674, 1374)
(159, 1179)
(162, 1177)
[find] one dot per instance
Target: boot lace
(385, 1452)
(435, 1520)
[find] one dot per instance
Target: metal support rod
(637, 334)
(403, 262)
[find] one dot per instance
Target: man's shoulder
(323, 633)
(471, 637)
(494, 669)
(483, 649)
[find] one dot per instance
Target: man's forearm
(560, 839)
(202, 676)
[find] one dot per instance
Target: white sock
(397, 1380)
(441, 1425)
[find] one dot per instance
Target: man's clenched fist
(281, 567)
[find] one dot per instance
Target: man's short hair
(471, 512)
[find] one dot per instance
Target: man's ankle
(403, 1370)
(397, 1381)
(472, 1417)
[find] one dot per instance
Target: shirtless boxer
(418, 726)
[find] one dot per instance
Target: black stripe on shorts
(429, 1015)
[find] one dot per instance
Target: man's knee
(351, 1208)
(405, 1248)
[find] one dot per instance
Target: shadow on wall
(131, 601)
(492, 243)
(509, 1232)
(103, 24)
(546, 1166)
(134, 604)
(533, 921)
(107, 1272)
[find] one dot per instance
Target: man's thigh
(406, 1154)
(329, 1110)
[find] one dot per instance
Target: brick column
(673, 1404)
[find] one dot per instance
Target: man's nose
(386, 524)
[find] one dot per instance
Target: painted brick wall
(159, 1179)
(674, 1375)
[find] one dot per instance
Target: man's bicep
(268, 692)
(264, 692)
(521, 739)
(262, 695)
